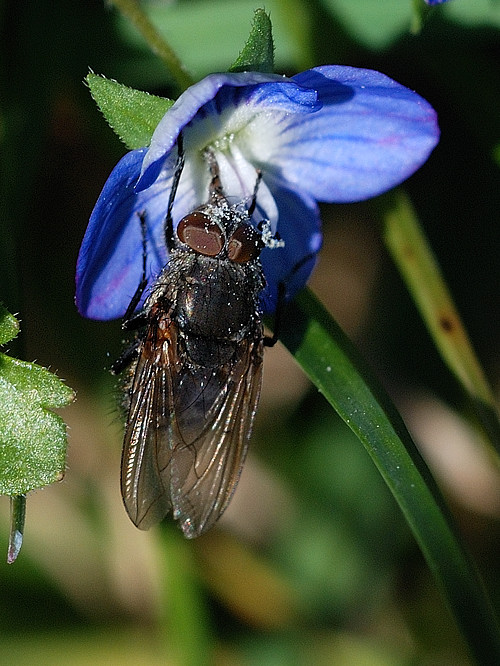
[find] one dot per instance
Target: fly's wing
(214, 412)
(147, 445)
(187, 432)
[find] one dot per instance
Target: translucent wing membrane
(213, 416)
(147, 446)
(188, 431)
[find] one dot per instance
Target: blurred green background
(312, 563)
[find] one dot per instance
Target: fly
(196, 367)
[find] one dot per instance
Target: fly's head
(222, 232)
(219, 229)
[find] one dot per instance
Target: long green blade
(333, 365)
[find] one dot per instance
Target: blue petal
(370, 134)
(300, 227)
(109, 267)
(216, 93)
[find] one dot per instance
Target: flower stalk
(133, 12)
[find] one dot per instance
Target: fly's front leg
(133, 321)
(271, 340)
(126, 357)
(134, 302)
(253, 202)
(169, 223)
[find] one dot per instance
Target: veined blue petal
(245, 94)
(109, 267)
(299, 226)
(370, 134)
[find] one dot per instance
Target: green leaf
(374, 24)
(217, 30)
(133, 11)
(132, 114)
(476, 13)
(333, 365)
(9, 326)
(32, 438)
(184, 617)
(419, 13)
(258, 53)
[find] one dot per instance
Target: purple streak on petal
(214, 94)
(370, 134)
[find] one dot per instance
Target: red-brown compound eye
(245, 244)
(199, 233)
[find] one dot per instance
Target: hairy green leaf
(32, 437)
(258, 53)
(132, 114)
(9, 326)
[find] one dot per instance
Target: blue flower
(333, 134)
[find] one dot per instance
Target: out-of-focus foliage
(378, 25)
(312, 519)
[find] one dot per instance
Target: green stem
(132, 10)
(17, 517)
(183, 616)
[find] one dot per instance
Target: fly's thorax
(217, 298)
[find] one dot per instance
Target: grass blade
(334, 366)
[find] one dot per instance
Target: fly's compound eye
(202, 235)
(245, 244)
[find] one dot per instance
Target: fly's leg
(253, 202)
(126, 357)
(133, 321)
(271, 340)
(169, 223)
